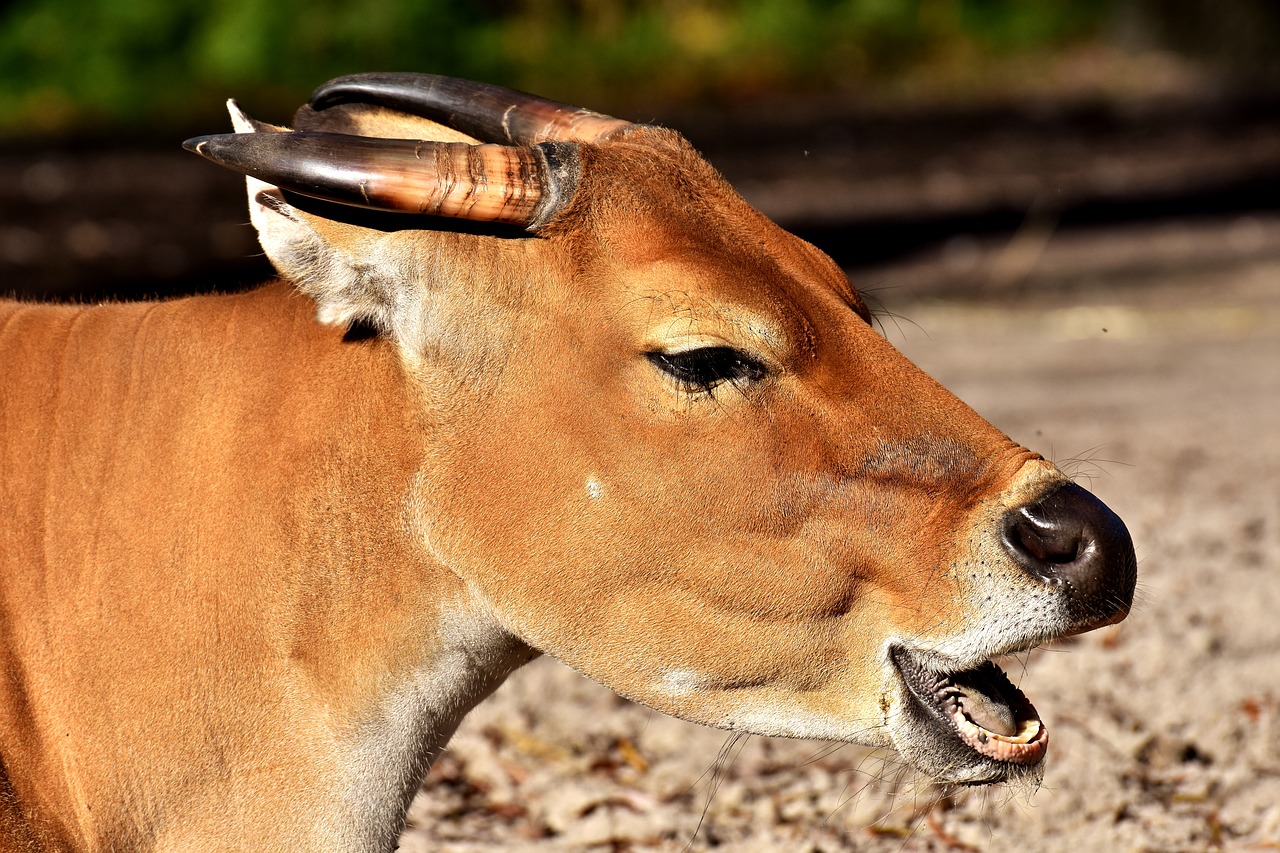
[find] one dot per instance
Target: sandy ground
(1165, 400)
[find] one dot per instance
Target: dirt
(1164, 399)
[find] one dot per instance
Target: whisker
(719, 770)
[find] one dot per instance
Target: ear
(353, 273)
(375, 121)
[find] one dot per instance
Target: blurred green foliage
(69, 65)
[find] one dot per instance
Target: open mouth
(979, 706)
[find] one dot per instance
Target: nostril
(1069, 536)
(1034, 544)
(1047, 532)
(1025, 537)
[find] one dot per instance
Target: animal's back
(15, 341)
(90, 399)
(173, 474)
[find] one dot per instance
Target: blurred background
(882, 130)
(1068, 211)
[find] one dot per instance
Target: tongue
(991, 716)
(988, 711)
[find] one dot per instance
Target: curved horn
(487, 112)
(487, 183)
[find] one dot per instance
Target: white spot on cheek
(679, 682)
(594, 488)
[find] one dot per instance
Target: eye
(706, 367)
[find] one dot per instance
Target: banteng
(535, 380)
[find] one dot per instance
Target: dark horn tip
(216, 146)
(335, 91)
(362, 88)
(246, 153)
(194, 145)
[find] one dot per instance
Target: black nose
(1070, 537)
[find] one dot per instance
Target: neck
(392, 747)
(225, 486)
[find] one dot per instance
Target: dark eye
(706, 367)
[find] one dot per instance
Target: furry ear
(353, 273)
(379, 122)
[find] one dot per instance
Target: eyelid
(676, 344)
(688, 344)
(717, 349)
(694, 330)
(702, 369)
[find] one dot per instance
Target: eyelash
(704, 368)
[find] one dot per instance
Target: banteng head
(667, 445)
